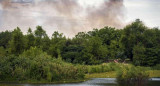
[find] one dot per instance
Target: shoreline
(111, 74)
(44, 82)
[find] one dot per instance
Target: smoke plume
(66, 16)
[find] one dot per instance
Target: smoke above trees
(66, 16)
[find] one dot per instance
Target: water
(92, 82)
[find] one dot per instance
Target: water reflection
(92, 82)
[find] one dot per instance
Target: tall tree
(94, 52)
(39, 34)
(30, 39)
(17, 43)
(5, 37)
(139, 54)
(133, 34)
(57, 44)
(45, 43)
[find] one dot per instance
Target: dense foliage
(34, 64)
(136, 42)
(37, 56)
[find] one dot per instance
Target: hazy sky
(72, 16)
(146, 10)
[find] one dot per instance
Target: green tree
(39, 35)
(139, 55)
(133, 34)
(2, 51)
(5, 37)
(152, 57)
(72, 53)
(107, 34)
(45, 43)
(94, 51)
(30, 39)
(116, 50)
(57, 44)
(39, 32)
(17, 43)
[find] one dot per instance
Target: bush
(34, 64)
(131, 75)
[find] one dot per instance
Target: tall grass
(105, 67)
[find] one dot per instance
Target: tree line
(136, 42)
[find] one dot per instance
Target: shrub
(34, 64)
(131, 75)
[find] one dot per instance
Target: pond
(92, 82)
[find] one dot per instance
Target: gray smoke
(109, 13)
(66, 16)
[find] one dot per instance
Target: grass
(112, 74)
(154, 73)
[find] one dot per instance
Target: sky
(146, 10)
(73, 16)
